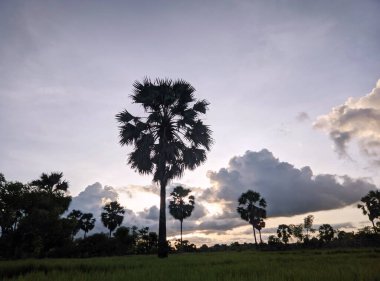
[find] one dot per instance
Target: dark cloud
(288, 190)
(356, 120)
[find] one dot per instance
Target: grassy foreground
(299, 265)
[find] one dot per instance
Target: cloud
(93, 198)
(288, 191)
(356, 120)
(302, 116)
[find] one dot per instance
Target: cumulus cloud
(288, 190)
(93, 197)
(302, 116)
(358, 119)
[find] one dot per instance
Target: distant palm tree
(252, 209)
(49, 192)
(74, 216)
(170, 139)
(112, 216)
(371, 206)
(308, 225)
(178, 207)
(87, 223)
(52, 183)
(284, 232)
(259, 226)
(326, 232)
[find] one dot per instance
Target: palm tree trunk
(162, 244)
(181, 234)
(254, 234)
(374, 227)
(261, 240)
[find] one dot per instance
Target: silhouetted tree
(170, 139)
(308, 225)
(251, 212)
(259, 226)
(326, 232)
(112, 216)
(178, 207)
(74, 216)
(273, 240)
(12, 196)
(297, 231)
(371, 206)
(42, 228)
(284, 232)
(87, 223)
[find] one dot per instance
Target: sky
(292, 85)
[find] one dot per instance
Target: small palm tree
(112, 216)
(87, 223)
(371, 206)
(169, 139)
(308, 225)
(178, 207)
(284, 232)
(251, 212)
(326, 232)
(75, 217)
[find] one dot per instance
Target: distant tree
(252, 209)
(284, 232)
(49, 193)
(170, 139)
(273, 240)
(112, 216)
(74, 217)
(326, 233)
(297, 231)
(371, 206)
(259, 226)
(181, 206)
(87, 223)
(308, 225)
(12, 197)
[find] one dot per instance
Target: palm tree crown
(172, 137)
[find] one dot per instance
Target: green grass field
(249, 265)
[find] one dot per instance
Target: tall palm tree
(252, 209)
(178, 207)
(169, 139)
(112, 216)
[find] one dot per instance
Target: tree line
(33, 224)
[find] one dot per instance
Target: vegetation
(178, 207)
(371, 207)
(249, 211)
(247, 265)
(112, 216)
(170, 139)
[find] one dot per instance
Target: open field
(308, 265)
